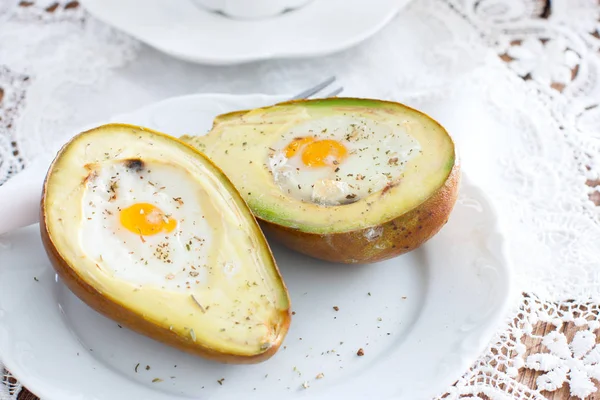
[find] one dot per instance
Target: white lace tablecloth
(534, 62)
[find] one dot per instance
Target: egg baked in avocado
(340, 179)
(150, 233)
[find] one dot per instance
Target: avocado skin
(114, 311)
(377, 243)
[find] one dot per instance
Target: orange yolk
(324, 153)
(146, 219)
(292, 148)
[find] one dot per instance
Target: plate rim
(233, 59)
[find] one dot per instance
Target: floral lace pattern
(12, 94)
(550, 347)
(543, 58)
(555, 343)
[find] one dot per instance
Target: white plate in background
(421, 318)
(188, 31)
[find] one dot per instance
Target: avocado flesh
(239, 143)
(238, 318)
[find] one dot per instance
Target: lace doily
(534, 61)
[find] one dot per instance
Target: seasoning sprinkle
(199, 305)
(265, 346)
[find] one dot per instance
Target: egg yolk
(292, 148)
(322, 153)
(146, 219)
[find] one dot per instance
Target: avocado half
(388, 222)
(231, 307)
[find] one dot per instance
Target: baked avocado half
(149, 232)
(341, 179)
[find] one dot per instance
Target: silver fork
(305, 94)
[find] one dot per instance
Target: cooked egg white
(339, 160)
(145, 224)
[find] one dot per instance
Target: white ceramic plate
(421, 318)
(185, 30)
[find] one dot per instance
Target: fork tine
(309, 92)
(335, 92)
